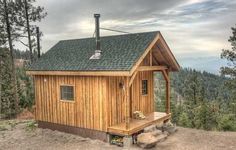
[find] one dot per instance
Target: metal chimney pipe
(97, 16)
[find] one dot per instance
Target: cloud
(199, 27)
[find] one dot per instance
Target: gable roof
(119, 53)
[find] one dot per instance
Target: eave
(80, 73)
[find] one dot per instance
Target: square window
(67, 93)
(144, 87)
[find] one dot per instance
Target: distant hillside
(198, 100)
(209, 64)
(208, 85)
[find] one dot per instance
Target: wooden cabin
(94, 93)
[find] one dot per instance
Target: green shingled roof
(119, 53)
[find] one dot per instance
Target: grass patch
(7, 124)
(31, 126)
(12, 123)
(3, 127)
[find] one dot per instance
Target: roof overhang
(80, 73)
(161, 53)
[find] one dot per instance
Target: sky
(190, 27)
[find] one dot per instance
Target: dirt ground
(23, 135)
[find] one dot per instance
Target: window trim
(142, 87)
(67, 100)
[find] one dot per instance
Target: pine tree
(15, 24)
(7, 94)
(29, 13)
(184, 120)
(230, 56)
(8, 27)
(230, 70)
(1, 80)
(201, 100)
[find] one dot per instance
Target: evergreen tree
(230, 56)
(198, 100)
(16, 23)
(230, 70)
(7, 18)
(184, 120)
(21, 16)
(26, 94)
(29, 13)
(7, 94)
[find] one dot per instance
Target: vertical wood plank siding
(99, 101)
(139, 102)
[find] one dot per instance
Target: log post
(150, 57)
(167, 93)
(127, 110)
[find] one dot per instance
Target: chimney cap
(97, 15)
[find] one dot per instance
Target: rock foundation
(154, 134)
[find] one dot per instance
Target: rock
(169, 127)
(159, 127)
(171, 130)
(149, 129)
(161, 137)
(127, 141)
(166, 133)
(156, 132)
(146, 140)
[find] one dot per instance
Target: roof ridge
(109, 36)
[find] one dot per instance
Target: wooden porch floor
(138, 125)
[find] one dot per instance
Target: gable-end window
(67, 92)
(144, 87)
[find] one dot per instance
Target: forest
(198, 99)
(18, 26)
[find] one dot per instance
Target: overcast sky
(190, 27)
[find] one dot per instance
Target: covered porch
(157, 58)
(131, 125)
(136, 125)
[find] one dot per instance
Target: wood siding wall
(139, 102)
(144, 103)
(116, 100)
(99, 101)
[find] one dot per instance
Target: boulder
(161, 137)
(149, 129)
(159, 127)
(169, 127)
(156, 132)
(146, 140)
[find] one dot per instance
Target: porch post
(167, 93)
(127, 109)
(167, 78)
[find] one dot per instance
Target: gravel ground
(22, 135)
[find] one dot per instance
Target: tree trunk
(11, 55)
(0, 86)
(28, 30)
(38, 41)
